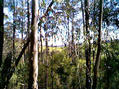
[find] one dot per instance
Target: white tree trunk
(34, 28)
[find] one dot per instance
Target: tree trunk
(52, 62)
(34, 45)
(96, 67)
(14, 29)
(88, 47)
(72, 41)
(22, 32)
(94, 28)
(82, 8)
(41, 41)
(1, 29)
(30, 82)
(46, 77)
(28, 23)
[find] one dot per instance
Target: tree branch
(48, 9)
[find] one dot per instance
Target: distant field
(53, 48)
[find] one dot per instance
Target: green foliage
(110, 66)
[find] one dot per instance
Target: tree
(34, 43)
(28, 17)
(47, 61)
(30, 82)
(96, 66)
(1, 29)
(14, 26)
(88, 47)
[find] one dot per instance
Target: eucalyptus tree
(14, 26)
(96, 67)
(88, 47)
(1, 29)
(34, 44)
